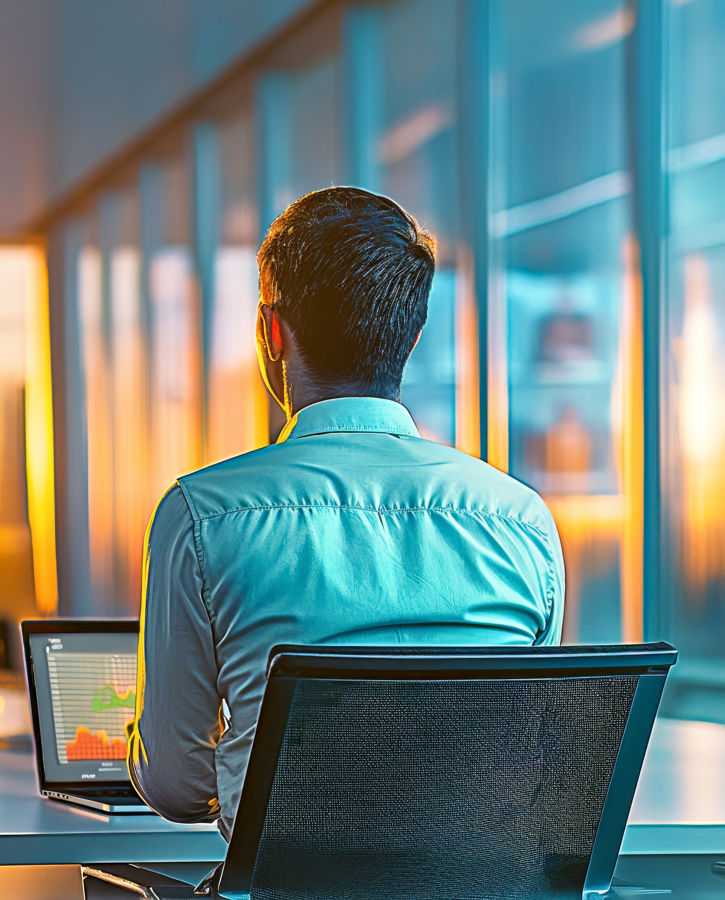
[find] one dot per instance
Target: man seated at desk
(351, 529)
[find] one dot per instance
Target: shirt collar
(350, 414)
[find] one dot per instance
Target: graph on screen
(93, 699)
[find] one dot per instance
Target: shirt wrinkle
(386, 510)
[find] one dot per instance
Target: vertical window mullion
(648, 129)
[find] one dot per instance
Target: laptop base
(113, 806)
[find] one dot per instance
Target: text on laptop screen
(86, 694)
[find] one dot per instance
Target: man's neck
(302, 395)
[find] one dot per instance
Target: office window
(693, 402)
(565, 350)
(238, 418)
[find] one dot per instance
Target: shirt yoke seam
(189, 500)
(387, 510)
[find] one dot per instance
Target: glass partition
(693, 409)
(565, 300)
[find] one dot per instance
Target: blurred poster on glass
(564, 333)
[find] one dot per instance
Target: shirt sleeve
(177, 724)
(551, 635)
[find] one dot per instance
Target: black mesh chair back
(424, 774)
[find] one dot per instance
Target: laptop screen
(85, 694)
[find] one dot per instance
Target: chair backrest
(435, 773)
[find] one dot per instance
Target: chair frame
(289, 663)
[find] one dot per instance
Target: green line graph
(108, 698)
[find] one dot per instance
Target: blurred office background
(570, 158)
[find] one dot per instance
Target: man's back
(353, 530)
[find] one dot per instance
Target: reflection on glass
(568, 351)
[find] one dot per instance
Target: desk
(36, 830)
(678, 812)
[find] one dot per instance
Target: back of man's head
(350, 272)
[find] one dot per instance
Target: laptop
(82, 684)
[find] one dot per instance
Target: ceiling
(80, 79)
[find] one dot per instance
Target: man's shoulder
(409, 471)
(241, 479)
(479, 487)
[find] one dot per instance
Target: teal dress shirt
(352, 529)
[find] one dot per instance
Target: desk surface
(36, 830)
(679, 808)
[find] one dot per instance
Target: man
(351, 529)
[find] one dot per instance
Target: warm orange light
(39, 433)
(498, 389)
(468, 414)
(628, 400)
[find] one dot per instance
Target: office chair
(442, 773)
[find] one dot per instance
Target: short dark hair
(350, 272)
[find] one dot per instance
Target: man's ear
(415, 342)
(271, 333)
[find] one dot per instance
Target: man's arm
(177, 725)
